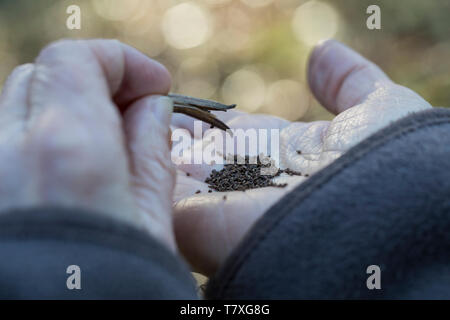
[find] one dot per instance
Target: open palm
(208, 226)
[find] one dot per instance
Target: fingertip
(164, 76)
(18, 77)
(143, 76)
(13, 98)
(147, 125)
(318, 49)
(130, 73)
(339, 77)
(138, 116)
(321, 61)
(162, 109)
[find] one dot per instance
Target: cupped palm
(208, 226)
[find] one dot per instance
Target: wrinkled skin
(364, 100)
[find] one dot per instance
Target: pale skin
(64, 142)
(86, 126)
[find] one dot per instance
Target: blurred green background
(249, 52)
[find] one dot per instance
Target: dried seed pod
(200, 109)
(200, 103)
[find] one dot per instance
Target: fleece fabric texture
(116, 260)
(386, 202)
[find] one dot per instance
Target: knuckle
(57, 46)
(72, 151)
(341, 83)
(15, 77)
(21, 68)
(61, 49)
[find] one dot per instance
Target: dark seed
(242, 175)
(299, 152)
(198, 191)
(291, 172)
(188, 174)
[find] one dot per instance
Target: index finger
(86, 76)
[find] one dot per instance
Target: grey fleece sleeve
(386, 202)
(115, 261)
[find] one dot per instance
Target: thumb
(147, 128)
(340, 78)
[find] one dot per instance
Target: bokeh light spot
(197, 77)
(314, 21)
(257, 3)
(216, 2)
(246, 88)
(288, 99)
(186, 25)
(117, 10)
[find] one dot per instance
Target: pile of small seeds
(243, 175)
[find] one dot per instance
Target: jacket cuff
(115, 260)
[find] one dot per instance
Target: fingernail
(162, 110)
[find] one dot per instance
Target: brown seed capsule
(200, 109)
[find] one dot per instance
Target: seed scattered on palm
(240, 175)
(244, 175)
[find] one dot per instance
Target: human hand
(208, 227)
(64, 142)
